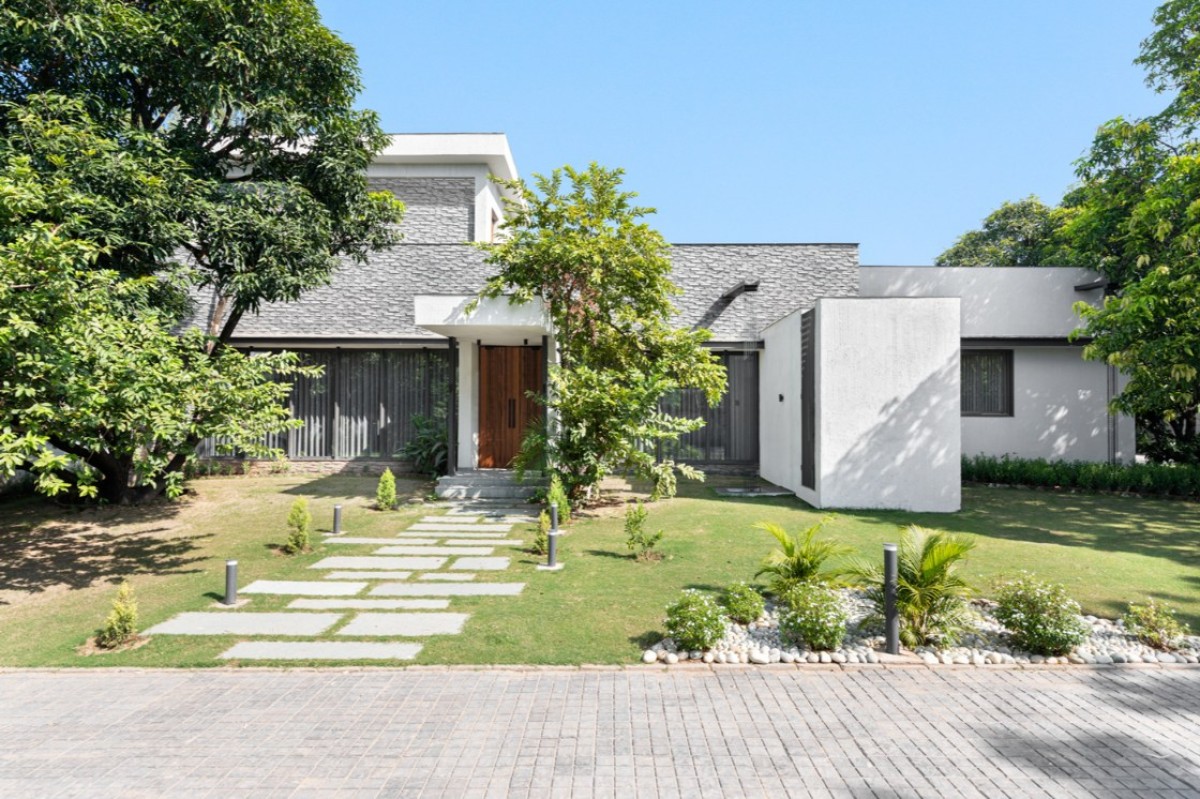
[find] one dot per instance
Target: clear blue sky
(895, 125)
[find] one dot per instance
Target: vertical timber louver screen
(808, 400)
(987, 383)
(363, 403)
(730, 432)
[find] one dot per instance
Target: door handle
(512, 413)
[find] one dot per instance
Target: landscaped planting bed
(988, 643)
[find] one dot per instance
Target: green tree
(97, 395)
(231, 161)
(577, 243)
(1023, 233)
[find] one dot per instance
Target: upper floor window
(987, 382)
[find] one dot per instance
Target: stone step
(303, 588)
(409, 538)
(237, 623)
(417, 550)
(481, 564)
(354, 539)
(376, 575)
(405, 625)
(321, 650)
(485, 491)
(370, 562)
(447, 589)
(369, 604)
(441, 577)
(426, 527)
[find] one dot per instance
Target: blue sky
(895, 125)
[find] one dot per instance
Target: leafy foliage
(541, 539)
(1041, 617)
(799, 559)
(1022, 233)
(428, 449)
(695, 621)
(930, 593)
(120, 627)
(192, 157)
(814, 615)
(641, 543)
(1175, 480)
(385, 491)
(556, 496)
(299, 522)
(743, 604)
(576, 243)
(1155, 624)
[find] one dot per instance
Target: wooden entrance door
(506, 374)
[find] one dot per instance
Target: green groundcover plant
(743, 604)
(695, 621)
(1155, 625)
(814, 616)
(1040, 616)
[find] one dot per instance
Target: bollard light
(337, 520)
(230, 583)
(552, 564)
(891, 619)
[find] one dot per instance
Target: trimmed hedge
(1159, 479)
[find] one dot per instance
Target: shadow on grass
(44, 545)
(358, 486)
(646, 639)
(605, 553)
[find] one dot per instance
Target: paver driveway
(894, 732)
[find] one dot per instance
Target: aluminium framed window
(987, 382)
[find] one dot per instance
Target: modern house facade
(853, 386)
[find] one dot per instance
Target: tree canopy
(576, 242)
(1023, 233)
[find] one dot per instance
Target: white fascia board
(452, 148)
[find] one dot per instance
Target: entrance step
(489, 484)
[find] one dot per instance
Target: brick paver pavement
(894, 732)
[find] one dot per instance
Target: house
(853, 386)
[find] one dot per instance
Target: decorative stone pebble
(672, 658)
(649, 656)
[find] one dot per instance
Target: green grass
(602, 608)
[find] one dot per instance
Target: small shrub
(637, 539)
(1155, 624)
(814, 614)
(541, 541)
(930, 594)
(385, 491)
(299, 522)
(800, 558)
(1040, 616)
(121, 625)
(695, 621)
(743, 603)
(428, 449)
(556, 496)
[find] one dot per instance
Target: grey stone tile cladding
(375, 299)
(438, 210)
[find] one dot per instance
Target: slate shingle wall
(439, 210)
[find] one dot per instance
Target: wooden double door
(507, 375)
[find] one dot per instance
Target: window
(987, 383)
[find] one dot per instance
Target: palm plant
(799, 559)
(930, 594)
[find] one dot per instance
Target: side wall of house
(779, 404)
(1059, 411)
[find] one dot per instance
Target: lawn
(58, 567)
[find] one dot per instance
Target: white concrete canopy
(492, 321)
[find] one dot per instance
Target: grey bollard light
(552, 537)
(891, 619)
(230, 583)
(337, 520)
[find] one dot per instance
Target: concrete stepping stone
(481, 564)
(446, 520)
(349, 539)
(409, 538)
(441, 577)
(303, 588)
(460, 528)
(447, 589)
(417, 550)
(321, 650)
(369, 604)
(408, 625)
(376, 575)
(369, 562)
(225, 623)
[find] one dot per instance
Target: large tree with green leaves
(1023, 233)
(576, 242)
(251, 103)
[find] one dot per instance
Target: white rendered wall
(889, 431)
(1060, 411)
(779, 420)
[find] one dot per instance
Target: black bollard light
(552, 564)
(891, 620)
(337, 520)
(230, 583)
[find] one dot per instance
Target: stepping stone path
(401, 586)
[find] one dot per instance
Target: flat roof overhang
(492, 321)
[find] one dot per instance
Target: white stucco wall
(1060, 411)
(889, 430)
(1004, 302)
(779, 427)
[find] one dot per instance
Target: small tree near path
(577, 243)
